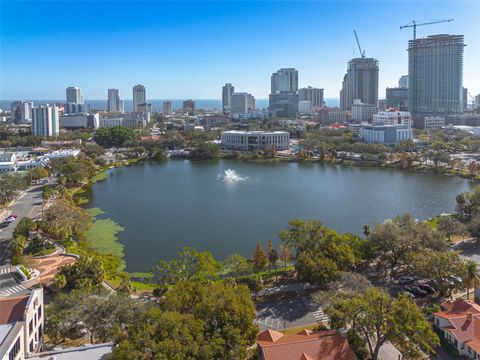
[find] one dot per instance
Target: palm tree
(473, 275)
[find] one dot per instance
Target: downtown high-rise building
(435, 74)
(114, 103)
(283, 98)
(314, 95)
(45, 120)
(74, 101)
(139, 96)
(285, 79)
(241, 103)
(360, 82)
(21, 112)
(227, 91)
(403, 82)
(189, 107)
(167, 107)
(74, 95)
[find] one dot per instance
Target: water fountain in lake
(231, 176)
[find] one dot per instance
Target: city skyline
(179, 56)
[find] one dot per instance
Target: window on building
(14, 350)
(30, 327)
(31, 346)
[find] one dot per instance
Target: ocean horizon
(99, 104)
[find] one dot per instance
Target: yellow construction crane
(414, 25)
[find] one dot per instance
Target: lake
(167, 206)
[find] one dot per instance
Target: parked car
(4, 224)
(405, 280)
(417, 291)
(429, 289)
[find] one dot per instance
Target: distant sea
(207, 104)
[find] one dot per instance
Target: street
(28, 205)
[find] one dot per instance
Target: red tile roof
(457, 308)
(306, 345)
(12, 309)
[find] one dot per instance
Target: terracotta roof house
(306, 345)
(460, 323)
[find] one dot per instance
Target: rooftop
(12, 308)
(306, 345)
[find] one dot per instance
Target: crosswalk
(316, 310)
(12, 290)
(5, 270)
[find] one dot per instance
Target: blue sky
(190, 49)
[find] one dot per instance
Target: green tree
(377, 318)
(227, 313)
(443, 267)
(103, 314)
(259, 259)
(205, 151)
(392, 241)
(472, 275)
(64, 220)
(321, 252)
(167, 335)
(238, 265)
(473, 226)
(285, 254)
(116, 136)
(191, 264)
(73, 172)
(38, 173)
(450, 226)
(86, 273)
(11, 185)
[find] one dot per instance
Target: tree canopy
(377, 318)
(321, 253)
(116, 136)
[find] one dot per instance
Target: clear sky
(190, 49)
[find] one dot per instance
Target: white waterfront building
(392, 117)
(45, 121)
(385, 134)
(255, 140)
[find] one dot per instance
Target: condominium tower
(139, 96)
(114, 102)
(360, 82)
(45, 121)
(74, 95)
(314, 95)
(227, 92)
(285, 79)
(167, 107)
(435, 74)
(241, 103)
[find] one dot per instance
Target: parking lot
(287, 312)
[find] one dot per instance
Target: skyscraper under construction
(360, 82)
(435, 74)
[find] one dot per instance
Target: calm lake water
(164, 207)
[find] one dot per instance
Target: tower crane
(362, 53)
(414, 25)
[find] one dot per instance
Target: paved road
(472, 253)
(28, 205)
